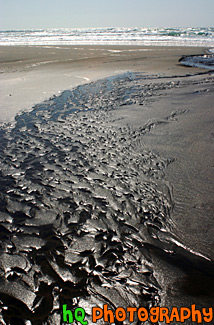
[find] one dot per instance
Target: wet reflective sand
(87, 203)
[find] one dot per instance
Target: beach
(31, 74)
(106, 162)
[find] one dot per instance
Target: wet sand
(107, 189)
(31, 74)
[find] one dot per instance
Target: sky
(38, 14)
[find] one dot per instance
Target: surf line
(154, 314)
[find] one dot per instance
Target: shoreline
(32, 74)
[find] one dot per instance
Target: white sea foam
(114, 51)
(110, 36)
(85, 78)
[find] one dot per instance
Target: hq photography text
(131, 314)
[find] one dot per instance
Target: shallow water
(205, 61)
(84, 205)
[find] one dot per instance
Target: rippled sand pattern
(80, 200)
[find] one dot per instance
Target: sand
(31, 74)
(106, 189)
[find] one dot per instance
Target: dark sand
(106, 190)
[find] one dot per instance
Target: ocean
(108, 36)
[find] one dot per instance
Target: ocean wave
(121, 36)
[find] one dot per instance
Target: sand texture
(31, 74)
(107, 194)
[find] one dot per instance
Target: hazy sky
(30, 14)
